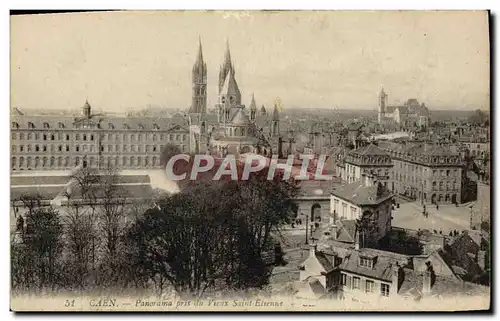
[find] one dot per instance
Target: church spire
(200, 51)
(253, 106)
(226, 67)
(199, 82)
(227, 55)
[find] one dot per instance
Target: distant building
(411, 113)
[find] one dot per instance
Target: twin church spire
(227, 83)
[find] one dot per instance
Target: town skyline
(111, 71)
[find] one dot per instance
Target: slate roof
(361, 194)
(346, 231)
(105, 122)
(369, 150)
(382, 267)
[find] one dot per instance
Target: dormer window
(156, 127)
(15, 125)
(366, 261)
(125, 126)
(111, 126)
(46, 125)
(61, 125)
(141, 126)
(31, 125)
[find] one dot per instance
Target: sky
(130, 60)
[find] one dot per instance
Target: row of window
(63, 162)
(61, 125)
(354, 282)
(90, 148)
(109, 137)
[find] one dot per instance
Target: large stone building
(95, 140)
(429, 173)
(367, 159)
(62, 142)
(232, 128)
(411, 113)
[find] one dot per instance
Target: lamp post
(307, 226)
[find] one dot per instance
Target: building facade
(94, 140)
(368, 159)
(366, 200)
(429, 173)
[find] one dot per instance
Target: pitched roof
(361, 194)
(240, 118)
(382, 264)
(369, 150)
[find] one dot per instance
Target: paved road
(448, 217)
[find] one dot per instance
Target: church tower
(382, 104)
(275, 122)
(253, 109)
(199, 79)
(87, 110)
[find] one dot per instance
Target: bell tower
(382, 104)
(199, 80)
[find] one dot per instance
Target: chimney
(481, 259)
(312, 251)
(395, 278)
(334, 231)
(356, 244)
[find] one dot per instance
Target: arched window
(77, 137)
(146, 161)
(46, 125)
(37, 162)
(84, 137)
(44, 162)
(37, 148)
(59, 161)
(21, 162)
(77, 161)
(28, 162)
(139, 161)
(91, 137)
(66, 161)
(13, 162)
(153, 161)
(52, 161)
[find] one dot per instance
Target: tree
(210, 236)
(111, 225)
(35, 261)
